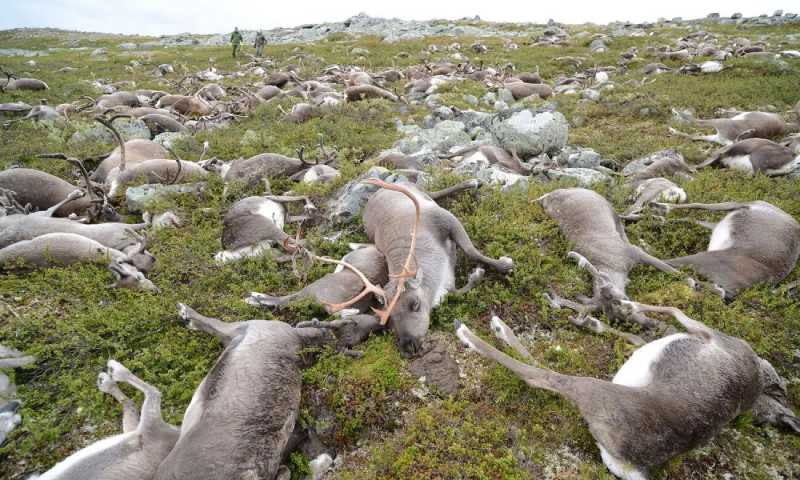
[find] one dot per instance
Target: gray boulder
(137, 199)
(349, 201)
(446, 135)
(530, 133)
(586, 177)
(127, 128)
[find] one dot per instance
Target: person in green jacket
(236, 40)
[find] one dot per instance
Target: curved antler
(406, 273)
(108, 123)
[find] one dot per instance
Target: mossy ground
(496, 427)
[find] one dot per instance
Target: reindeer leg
(71, 197)
(350, 330)
(594, 325)
(696, 138)
(583, 306)
(224, 330)
(459, 235)
(712, 207)
(459, 187)
(474, 279)
(648, 259)
(264, 300)
(292, 198)
(130, 414)
(692, 326)
(151, 407)
(504, 333)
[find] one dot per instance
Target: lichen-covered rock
(446, 135)
(586, 177)
(349, 201)
(127, 128)
(137, 199)
(529, 133)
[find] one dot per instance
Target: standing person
(236, 40)
(260, 41)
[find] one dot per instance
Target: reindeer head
(138, 255)
(128, 276)
(772, 406)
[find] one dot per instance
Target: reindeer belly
(273, 211)
(636, 372)
(722, 236)
(741, 163)
(94, 461)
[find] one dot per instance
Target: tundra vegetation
(374, 411)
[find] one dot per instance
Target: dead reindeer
(42, 191)
(255, 382)
(211, 92)
(756, 155)
(126, 153)
(731, 130)
(253, 225)
(496, 156)
(268, 92)
(281, 79)
(340, 286)
(653, 190)
(367, 92)
(649, 184)
(418, 239)
(57, 249)
(600, 244)
(666, 163)
(255, 169)
(13, 83)
(158, 170)
(398, 160)
(522, 90)
(136, 453)
(671, 396)
(756, 242)
(301, 113)
(104, 103)
(118, 236)
(159, 123)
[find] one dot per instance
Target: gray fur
(136, 151)
(42, 191)
(700, 382)
(244, 411)
(595, 232)
(117, 236)
(764, 247)
(743, 125)
(339, 286)
(137, 452)
(388, 218)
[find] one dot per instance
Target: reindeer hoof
(104, 382)
(117, 371)
(506, 263)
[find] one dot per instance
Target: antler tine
(369, 287)
(406, 273)
(109, 125)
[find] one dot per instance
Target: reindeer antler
(109, 124)
(407, 272)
